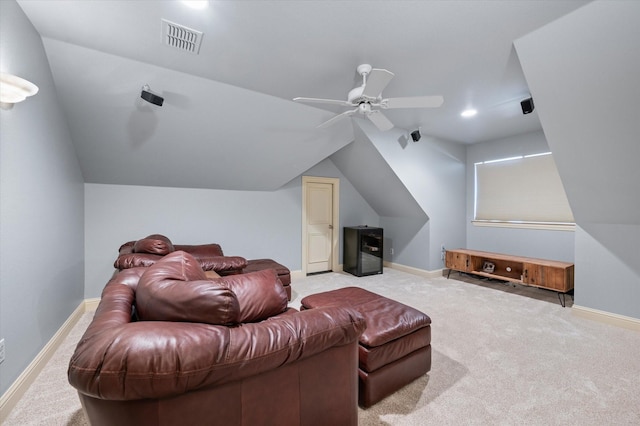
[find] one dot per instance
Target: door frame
(335, 182)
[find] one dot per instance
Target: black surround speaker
(527, 106)
(152, 98)
(415, 135)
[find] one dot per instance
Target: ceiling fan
(367, 99)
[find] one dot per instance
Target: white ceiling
(228, 109)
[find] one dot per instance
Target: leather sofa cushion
(178, 265)
(386, 319)
(260, 264)
(134, 260)
(175, 288)
(154, 244)
(222, 264)
(370, 359)
(260, 294)
(126, 247)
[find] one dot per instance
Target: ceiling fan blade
(323, 101)
(377, 80)
(380, 121)
(337, 118)
(413, 102)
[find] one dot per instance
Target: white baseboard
(91, 305)
(415, 271)
(296, 275)
(606, 317)
(11, 397)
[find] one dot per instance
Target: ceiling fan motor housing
(355, 95)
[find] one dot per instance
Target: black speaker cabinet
(362, 251)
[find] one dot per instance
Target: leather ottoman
(395, 348)
(283, 272)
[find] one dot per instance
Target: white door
(319, 226)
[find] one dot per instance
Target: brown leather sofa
(148, 250)
(168, 347)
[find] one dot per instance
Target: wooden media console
(547, 274)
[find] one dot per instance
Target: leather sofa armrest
(224, 264)
(126, 247)
(129, 277)
(221, 264)
(133, 260)
(122, 362)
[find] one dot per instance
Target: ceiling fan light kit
(367, 100)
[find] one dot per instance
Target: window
(521, 191)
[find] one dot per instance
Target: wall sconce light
(14, 89)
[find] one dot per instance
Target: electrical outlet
(443, 251)
(391, 250)
(1, 351)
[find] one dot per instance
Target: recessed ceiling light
(196, 4)
(469, 113)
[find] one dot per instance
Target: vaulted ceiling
(228, 119)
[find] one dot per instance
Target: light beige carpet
(501, 356)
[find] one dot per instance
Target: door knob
(330, 226)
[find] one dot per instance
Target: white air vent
(181, 37)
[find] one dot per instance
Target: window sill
(525, 225)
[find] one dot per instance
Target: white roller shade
(523, 189)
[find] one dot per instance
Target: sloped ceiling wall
(191, 141)
(410, 185)
(229, 121)
(584, 73)
(372, 176)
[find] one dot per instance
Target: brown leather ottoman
(394, 350)
(283, 272)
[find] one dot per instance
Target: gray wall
(433, 171)
(608, 268)
(401, 216)
(252, 224)
(41, 205)
(583, 74)
(545, 244)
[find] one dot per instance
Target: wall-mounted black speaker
(527, 106)
(150, 97)
(415, 135)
